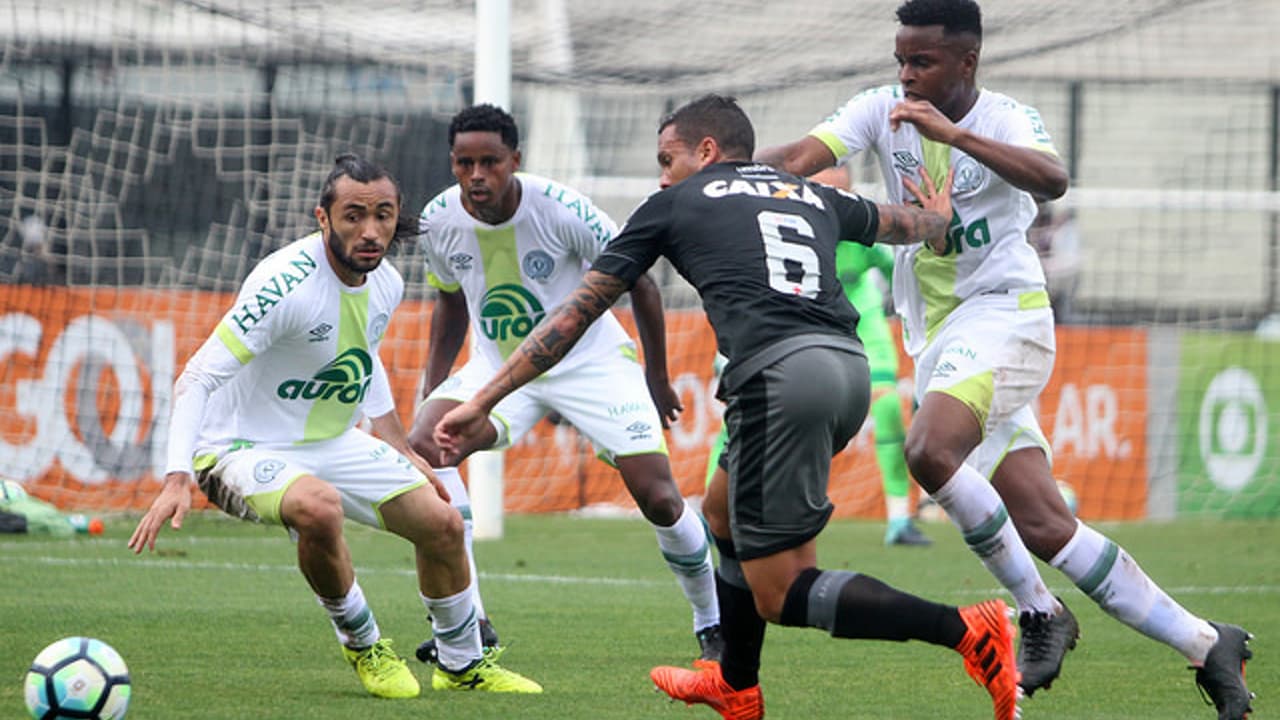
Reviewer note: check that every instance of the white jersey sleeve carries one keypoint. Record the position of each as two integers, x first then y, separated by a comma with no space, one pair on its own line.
207,370
439,275
583,228
858,124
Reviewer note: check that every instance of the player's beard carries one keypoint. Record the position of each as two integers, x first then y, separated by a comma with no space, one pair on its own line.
349,261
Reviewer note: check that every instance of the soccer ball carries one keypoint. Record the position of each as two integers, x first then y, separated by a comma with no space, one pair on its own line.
11,491
78,677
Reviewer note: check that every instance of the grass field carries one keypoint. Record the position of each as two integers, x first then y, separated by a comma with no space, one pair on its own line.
219,624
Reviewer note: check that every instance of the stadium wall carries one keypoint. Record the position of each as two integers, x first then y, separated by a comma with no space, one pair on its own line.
1143,423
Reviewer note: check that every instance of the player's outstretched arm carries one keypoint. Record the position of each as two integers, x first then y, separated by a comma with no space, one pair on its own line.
549,342
646,302
803,157
171,505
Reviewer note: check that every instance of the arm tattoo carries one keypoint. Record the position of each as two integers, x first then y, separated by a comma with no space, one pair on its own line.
557,334
902,225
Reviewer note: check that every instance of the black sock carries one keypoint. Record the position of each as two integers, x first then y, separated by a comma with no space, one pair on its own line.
742,626
859,606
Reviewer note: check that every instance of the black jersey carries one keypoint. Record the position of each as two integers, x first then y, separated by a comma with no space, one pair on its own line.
759,246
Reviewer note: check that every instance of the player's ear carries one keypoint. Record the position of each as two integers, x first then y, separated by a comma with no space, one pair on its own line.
708,151
515,159
323,218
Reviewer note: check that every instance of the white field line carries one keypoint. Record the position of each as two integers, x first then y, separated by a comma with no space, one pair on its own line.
164,564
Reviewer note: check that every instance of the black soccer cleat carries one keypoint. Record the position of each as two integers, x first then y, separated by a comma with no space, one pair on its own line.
428,653
1221,678
711,643
1043,642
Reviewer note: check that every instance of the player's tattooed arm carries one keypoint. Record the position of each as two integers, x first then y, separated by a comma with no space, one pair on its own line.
928,223
558,333
904,225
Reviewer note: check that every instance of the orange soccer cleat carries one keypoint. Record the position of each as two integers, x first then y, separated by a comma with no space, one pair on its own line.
988,653
707,686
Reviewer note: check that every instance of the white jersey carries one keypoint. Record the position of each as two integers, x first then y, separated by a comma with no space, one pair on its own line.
291,362
515,273
987,247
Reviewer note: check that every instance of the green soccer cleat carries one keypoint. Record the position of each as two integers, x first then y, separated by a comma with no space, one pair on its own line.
382,672
484,675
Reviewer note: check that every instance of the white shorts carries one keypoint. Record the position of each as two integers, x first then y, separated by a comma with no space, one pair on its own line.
606,399
249,482
995,354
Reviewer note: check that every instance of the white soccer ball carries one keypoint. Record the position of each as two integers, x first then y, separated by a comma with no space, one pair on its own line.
10,491
78,677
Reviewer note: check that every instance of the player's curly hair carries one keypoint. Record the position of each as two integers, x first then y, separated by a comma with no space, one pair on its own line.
955,16
716,116
365,171
486,118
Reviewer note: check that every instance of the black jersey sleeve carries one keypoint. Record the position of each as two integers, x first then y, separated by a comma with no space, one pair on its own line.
858,217
640,242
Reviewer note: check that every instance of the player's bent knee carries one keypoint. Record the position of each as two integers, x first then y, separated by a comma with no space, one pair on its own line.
769,606
929,461
662,506
312,506
424,519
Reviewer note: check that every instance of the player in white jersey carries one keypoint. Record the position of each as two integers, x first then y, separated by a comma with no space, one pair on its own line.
504,249
264,417
978,323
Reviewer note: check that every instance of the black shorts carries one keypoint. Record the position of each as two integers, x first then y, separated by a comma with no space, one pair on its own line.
785,423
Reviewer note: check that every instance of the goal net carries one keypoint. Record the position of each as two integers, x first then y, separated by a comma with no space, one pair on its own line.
151,151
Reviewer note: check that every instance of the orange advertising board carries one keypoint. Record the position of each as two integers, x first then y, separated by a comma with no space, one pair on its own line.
86,380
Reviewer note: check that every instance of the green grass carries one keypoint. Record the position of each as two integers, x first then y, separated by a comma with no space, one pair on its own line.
219,624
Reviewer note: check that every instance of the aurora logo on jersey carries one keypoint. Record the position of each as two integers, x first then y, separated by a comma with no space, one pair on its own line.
974,235
346,378
509,312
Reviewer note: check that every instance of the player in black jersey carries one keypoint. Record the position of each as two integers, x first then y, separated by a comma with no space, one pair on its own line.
759,247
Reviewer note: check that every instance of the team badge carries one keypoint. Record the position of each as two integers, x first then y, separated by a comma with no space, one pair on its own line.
969,175
537,265
378,327
267,470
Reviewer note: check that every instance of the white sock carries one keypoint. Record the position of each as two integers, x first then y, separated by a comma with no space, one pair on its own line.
1107,574
459,498
684,546
897,508
352,619
976,509
456,629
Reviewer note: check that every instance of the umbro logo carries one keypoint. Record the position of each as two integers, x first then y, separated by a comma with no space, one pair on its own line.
320,333
905,162
639,430
460,261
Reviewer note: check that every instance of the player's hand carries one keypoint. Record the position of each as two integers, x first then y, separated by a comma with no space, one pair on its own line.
936,199
927,119
667,400
466,421
172,504
425,468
